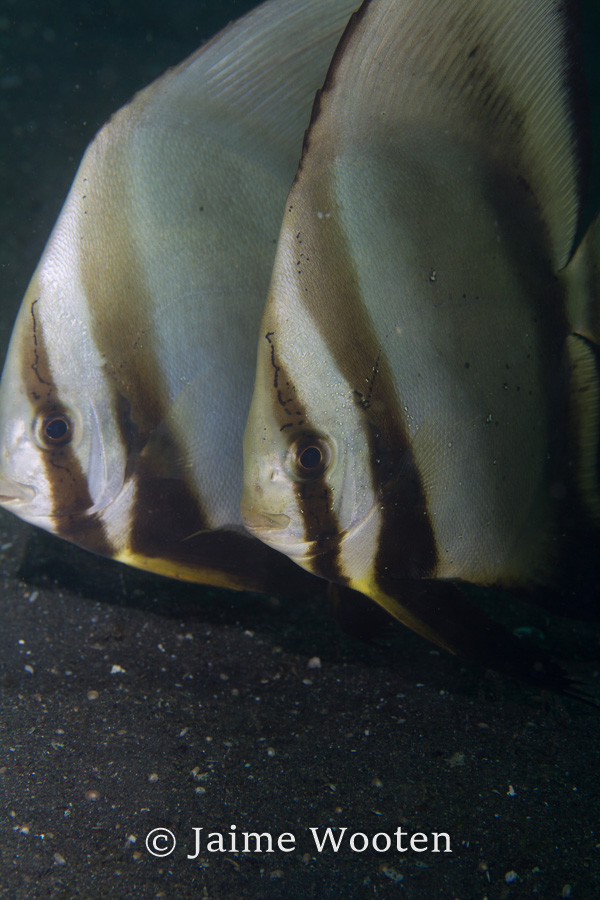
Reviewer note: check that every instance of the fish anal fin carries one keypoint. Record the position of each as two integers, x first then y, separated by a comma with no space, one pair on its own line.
223,558
440,612
355,613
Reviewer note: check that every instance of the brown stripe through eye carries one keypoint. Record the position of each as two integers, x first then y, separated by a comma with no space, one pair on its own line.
350,336
68,484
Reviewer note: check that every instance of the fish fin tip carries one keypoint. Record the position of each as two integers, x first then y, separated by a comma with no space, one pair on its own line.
356,614
441,612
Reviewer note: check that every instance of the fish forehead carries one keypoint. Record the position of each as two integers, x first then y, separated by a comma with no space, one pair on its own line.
331,380
114,339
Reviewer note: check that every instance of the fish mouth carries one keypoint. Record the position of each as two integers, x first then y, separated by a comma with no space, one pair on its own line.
306,552
264,523
271,529
15,492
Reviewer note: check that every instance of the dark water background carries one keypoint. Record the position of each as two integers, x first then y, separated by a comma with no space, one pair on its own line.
64,68
218,701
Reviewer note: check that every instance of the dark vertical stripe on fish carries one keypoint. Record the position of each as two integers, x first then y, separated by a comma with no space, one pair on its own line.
340,51
118,298
314,499
166,512
573,583
68,484
579,103
349,335
588,386
120,303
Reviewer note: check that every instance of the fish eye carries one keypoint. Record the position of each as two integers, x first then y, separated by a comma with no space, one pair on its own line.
54,430
309,458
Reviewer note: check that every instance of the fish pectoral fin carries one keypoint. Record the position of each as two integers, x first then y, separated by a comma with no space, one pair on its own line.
441,612
582,277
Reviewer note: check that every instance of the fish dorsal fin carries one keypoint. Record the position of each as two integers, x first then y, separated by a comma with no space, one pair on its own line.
257,75
502,77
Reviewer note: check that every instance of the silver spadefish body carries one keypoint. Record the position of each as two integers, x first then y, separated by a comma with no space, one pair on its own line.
127,383
416,342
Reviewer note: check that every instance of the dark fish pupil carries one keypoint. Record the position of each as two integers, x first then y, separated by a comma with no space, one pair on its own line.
311,458
56,429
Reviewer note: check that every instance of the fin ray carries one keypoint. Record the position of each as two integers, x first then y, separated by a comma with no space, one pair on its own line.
255,74
475,76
